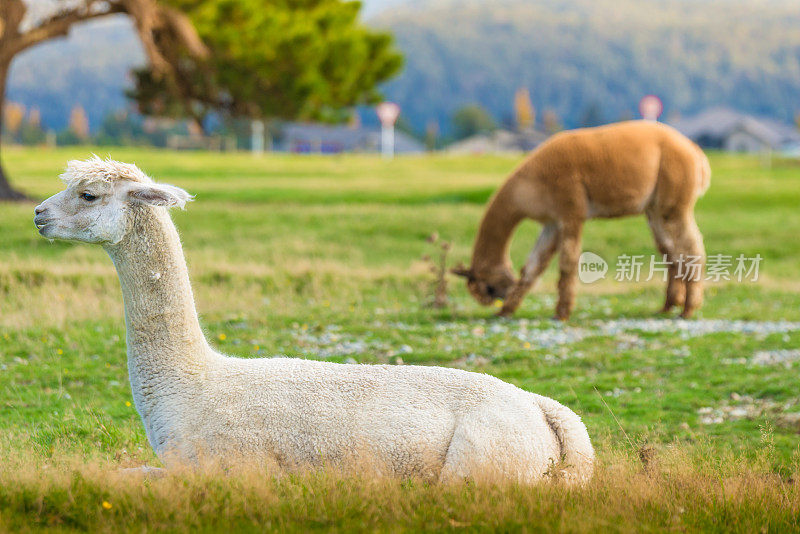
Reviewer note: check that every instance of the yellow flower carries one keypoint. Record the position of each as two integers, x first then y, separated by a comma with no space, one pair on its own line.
222,337
107,505
255,347
304,327
128,404
526,345
326,303
59,352
498,303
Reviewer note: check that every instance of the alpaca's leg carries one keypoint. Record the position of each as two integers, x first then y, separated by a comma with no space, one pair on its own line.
688,260
569,254
691,246
676,287
537,262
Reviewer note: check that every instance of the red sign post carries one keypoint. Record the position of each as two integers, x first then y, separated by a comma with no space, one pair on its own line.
387,113
651,107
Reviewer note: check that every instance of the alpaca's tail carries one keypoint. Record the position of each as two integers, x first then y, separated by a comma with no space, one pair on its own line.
577,454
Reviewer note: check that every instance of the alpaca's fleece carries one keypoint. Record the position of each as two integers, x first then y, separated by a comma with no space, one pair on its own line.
95,169
197,404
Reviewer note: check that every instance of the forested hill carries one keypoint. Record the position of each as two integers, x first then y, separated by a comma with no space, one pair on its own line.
571,54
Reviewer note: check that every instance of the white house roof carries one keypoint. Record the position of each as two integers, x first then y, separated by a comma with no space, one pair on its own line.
719,123
499,141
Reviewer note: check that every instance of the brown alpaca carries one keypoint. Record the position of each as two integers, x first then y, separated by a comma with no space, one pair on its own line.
611,171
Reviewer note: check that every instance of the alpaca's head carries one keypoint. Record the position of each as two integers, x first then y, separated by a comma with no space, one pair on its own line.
98,200
488,285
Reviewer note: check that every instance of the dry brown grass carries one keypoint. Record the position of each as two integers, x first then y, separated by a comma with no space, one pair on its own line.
41,293
678,490
47,294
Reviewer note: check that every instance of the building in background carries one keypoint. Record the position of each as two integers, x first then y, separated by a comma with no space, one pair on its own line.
311,138
726,129
499,141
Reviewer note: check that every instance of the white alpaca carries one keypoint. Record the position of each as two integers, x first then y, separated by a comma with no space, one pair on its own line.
196,403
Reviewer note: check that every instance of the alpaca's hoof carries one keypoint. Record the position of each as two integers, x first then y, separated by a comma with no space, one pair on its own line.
505,312
561,316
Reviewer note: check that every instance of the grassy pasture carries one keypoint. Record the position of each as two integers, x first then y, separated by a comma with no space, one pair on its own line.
321,257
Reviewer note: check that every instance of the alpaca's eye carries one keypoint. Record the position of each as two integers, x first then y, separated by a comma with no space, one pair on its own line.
88,197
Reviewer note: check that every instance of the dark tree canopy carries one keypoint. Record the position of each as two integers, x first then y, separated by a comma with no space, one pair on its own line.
470,120
285,59
592,115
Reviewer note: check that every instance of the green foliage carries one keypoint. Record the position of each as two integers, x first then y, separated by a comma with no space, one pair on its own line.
28,133
68,137
292,59
122,128
31,134
592,115
471,120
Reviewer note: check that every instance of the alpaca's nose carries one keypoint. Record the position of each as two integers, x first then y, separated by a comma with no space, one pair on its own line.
40,219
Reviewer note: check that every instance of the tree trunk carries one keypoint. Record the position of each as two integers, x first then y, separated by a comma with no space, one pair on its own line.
6,191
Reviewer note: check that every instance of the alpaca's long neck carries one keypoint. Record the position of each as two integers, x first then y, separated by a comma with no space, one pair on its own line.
164,337
497,226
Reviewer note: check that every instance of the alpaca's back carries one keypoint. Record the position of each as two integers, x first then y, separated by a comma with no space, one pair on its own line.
610,171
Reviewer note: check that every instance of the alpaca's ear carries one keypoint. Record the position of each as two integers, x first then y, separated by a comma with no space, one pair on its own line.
460,270
165,195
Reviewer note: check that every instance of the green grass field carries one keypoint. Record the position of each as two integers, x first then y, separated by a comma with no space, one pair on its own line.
321,257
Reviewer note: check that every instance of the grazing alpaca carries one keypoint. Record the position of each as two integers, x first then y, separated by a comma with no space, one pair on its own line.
611,171
198,404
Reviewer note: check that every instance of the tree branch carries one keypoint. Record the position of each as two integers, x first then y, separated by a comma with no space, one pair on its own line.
184,31
152,19
148,17
11,14
58,26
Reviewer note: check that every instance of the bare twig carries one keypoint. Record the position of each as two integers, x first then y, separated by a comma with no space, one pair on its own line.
439,268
